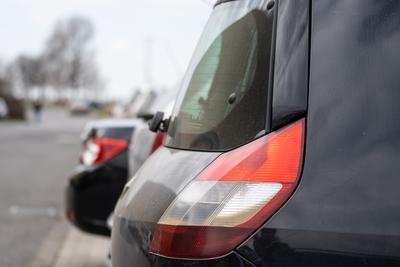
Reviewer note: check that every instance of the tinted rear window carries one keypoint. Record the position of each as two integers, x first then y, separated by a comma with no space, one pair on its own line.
223,100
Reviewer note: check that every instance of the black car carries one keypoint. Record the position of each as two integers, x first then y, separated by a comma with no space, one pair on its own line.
283,148
98,180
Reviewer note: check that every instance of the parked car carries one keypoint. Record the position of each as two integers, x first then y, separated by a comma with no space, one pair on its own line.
3,109
97,182
283,148
80,107
13,107
145,142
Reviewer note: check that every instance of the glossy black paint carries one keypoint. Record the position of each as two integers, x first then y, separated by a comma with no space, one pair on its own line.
346,210
144,201
93,191
290,89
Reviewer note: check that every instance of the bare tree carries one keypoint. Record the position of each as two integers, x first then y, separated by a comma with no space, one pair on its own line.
66,62
68,57
31,71
6,81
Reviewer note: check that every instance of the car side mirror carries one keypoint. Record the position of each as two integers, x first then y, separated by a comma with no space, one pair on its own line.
158,123
145,116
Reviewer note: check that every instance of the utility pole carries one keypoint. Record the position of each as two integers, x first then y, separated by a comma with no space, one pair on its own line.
148,61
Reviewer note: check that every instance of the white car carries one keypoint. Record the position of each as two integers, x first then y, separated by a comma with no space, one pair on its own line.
3,108
79,107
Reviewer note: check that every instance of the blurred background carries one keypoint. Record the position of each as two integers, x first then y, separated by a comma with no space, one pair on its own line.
64,63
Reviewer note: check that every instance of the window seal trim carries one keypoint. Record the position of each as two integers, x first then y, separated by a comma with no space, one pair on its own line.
271,74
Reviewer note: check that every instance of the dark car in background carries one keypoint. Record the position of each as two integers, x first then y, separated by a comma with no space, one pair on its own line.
3,108
12,108
283,147
113,149
80,107
97,182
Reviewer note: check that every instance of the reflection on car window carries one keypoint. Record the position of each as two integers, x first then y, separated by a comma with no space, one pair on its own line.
224,104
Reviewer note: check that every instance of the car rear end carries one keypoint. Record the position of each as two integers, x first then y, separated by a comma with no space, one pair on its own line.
283,146
94,187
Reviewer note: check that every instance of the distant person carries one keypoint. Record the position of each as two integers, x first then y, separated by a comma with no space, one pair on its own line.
37,111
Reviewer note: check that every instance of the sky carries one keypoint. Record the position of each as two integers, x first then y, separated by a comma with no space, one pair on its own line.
137,42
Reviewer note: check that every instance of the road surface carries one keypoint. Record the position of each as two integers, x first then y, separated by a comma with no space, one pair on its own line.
35,161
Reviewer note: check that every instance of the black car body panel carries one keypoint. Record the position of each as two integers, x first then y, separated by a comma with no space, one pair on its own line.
92,192
346,210
233,259
145,199
290,86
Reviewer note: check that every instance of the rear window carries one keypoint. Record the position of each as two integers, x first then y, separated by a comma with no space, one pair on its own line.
223,100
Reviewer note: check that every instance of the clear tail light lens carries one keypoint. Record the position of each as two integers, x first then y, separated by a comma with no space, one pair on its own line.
97,150
232,197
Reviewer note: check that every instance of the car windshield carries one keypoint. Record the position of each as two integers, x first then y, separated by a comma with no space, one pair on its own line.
223,100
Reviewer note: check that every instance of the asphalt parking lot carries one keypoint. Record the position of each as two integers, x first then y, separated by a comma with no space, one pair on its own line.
35,161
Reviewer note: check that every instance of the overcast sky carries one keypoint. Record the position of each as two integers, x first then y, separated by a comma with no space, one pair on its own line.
124,31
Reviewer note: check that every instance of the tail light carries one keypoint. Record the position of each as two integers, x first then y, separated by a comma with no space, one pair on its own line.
97,150
232,197
157,141
71,216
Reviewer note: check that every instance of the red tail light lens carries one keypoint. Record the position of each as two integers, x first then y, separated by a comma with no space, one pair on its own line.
99,150
71,216
157,141
232,197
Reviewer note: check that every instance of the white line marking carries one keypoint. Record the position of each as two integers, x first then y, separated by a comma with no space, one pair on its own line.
32,211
